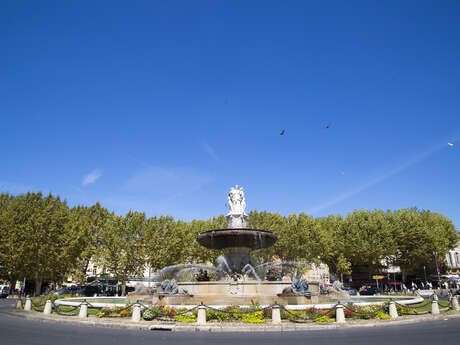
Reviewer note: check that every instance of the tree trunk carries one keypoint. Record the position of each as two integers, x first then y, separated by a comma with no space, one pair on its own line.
123,288
38,284
12,285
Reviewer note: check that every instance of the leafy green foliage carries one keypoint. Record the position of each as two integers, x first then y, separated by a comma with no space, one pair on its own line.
382,315
122,248
38,238
115,311
255,317
324,319
152,313
186,318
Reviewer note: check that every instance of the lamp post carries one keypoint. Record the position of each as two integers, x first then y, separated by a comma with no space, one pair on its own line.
424,271
435,253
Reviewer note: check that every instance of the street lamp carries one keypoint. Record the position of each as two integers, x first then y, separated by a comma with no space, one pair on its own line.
435,253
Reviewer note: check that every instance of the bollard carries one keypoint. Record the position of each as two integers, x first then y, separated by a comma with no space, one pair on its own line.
393,310
28,305
454,302
201,320
18,304
339,314
48,306
276,314
434,305
136,317
83,309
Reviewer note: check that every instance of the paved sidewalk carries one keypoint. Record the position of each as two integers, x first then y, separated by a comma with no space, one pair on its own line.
285,326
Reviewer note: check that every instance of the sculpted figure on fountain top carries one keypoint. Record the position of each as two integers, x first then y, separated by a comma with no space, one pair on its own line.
236,204
236,200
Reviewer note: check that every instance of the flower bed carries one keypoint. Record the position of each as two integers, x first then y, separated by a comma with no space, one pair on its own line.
116,311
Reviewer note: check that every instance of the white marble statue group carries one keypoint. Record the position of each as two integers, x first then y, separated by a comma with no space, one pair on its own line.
236,204
236,201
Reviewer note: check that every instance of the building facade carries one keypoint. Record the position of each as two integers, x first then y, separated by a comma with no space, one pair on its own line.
453,259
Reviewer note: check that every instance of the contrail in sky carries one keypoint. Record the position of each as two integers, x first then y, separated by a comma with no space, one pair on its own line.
418,158
92,177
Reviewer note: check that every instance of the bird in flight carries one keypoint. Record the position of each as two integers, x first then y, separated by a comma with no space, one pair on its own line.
328,125
282,132
450,144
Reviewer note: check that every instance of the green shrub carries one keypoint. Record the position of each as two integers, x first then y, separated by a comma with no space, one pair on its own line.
382,315
306,314
402,309
126,312
255,317
287,315
153,313
367,312
53,297
116,311
186,317
267,313
324,319
231,313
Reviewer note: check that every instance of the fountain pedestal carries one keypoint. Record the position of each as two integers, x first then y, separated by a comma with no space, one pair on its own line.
236,221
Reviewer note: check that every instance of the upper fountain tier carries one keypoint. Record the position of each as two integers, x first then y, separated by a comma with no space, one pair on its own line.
236,238
237,235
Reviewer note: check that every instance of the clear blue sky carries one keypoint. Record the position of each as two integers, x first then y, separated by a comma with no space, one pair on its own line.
161,106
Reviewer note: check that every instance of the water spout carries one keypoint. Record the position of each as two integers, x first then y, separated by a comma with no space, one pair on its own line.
251,269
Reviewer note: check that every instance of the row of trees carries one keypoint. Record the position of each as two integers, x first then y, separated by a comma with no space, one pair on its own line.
366,240
43,239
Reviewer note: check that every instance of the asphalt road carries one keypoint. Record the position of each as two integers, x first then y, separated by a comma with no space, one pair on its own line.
20,331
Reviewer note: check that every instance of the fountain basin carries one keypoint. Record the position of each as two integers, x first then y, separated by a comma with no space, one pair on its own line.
231,293
234,238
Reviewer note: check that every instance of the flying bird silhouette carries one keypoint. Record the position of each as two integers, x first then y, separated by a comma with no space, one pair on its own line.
328,125
282,132
450,144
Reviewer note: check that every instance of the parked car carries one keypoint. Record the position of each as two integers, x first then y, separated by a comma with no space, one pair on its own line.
351,291
4,291
83,290
66,290
369,291
87,290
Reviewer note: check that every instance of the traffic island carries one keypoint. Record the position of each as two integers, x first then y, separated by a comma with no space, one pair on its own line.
281,319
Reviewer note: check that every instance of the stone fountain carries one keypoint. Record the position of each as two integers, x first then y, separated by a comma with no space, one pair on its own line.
237,240
238,281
